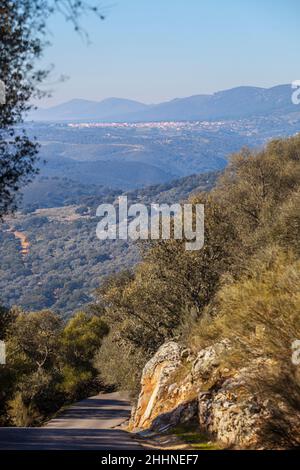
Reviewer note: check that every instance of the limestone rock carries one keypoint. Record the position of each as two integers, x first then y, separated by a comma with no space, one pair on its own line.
177,387
231,414
208,360
155,384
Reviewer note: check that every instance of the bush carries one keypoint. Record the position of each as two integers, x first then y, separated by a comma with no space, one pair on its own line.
21,414
119,365
48,364
260,315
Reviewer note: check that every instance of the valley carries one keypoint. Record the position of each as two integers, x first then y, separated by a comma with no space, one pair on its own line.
134,155
66,262
86,163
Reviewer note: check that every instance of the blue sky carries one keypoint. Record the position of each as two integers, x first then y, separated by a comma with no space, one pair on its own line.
156,50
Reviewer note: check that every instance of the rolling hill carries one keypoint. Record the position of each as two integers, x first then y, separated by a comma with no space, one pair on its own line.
79,109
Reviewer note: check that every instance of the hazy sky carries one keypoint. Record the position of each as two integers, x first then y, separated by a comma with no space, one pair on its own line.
155,50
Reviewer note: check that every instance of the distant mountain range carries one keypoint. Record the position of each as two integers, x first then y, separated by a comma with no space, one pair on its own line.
78,109
236,103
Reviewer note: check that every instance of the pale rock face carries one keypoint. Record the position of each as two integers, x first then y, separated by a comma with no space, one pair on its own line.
208,360
231,414
178,388
155,384
163,397
2,93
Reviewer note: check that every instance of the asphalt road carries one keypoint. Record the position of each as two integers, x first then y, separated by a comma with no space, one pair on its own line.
86,425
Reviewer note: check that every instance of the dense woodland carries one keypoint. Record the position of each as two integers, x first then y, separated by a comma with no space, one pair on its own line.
66,262
243,285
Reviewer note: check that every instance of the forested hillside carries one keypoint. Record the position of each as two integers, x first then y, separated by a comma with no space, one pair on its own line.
252,224
233,308
65,261
230,310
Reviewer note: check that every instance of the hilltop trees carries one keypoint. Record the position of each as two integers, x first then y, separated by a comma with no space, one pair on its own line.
34,337
242,286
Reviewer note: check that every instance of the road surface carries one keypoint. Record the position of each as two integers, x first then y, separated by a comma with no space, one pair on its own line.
87,425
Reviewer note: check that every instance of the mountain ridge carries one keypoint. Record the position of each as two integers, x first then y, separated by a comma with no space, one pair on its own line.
88,109
234,103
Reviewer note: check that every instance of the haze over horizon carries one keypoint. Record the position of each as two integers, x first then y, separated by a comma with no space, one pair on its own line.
136,54
156,102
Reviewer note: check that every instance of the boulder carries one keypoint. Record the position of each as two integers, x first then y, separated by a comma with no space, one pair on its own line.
208,360
155,384
231,414
179,387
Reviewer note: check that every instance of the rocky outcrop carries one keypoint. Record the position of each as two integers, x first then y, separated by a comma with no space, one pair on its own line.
155,385
165,393
179,387
230,414
208,360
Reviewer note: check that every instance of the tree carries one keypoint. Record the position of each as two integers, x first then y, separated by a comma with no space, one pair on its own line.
35,337
19,47
22,41
80,339
49,363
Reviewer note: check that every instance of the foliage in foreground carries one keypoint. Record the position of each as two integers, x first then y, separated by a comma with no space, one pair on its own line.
23,26
245,280
48,365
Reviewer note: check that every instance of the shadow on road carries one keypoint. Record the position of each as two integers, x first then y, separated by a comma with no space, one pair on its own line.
65,439
86,425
